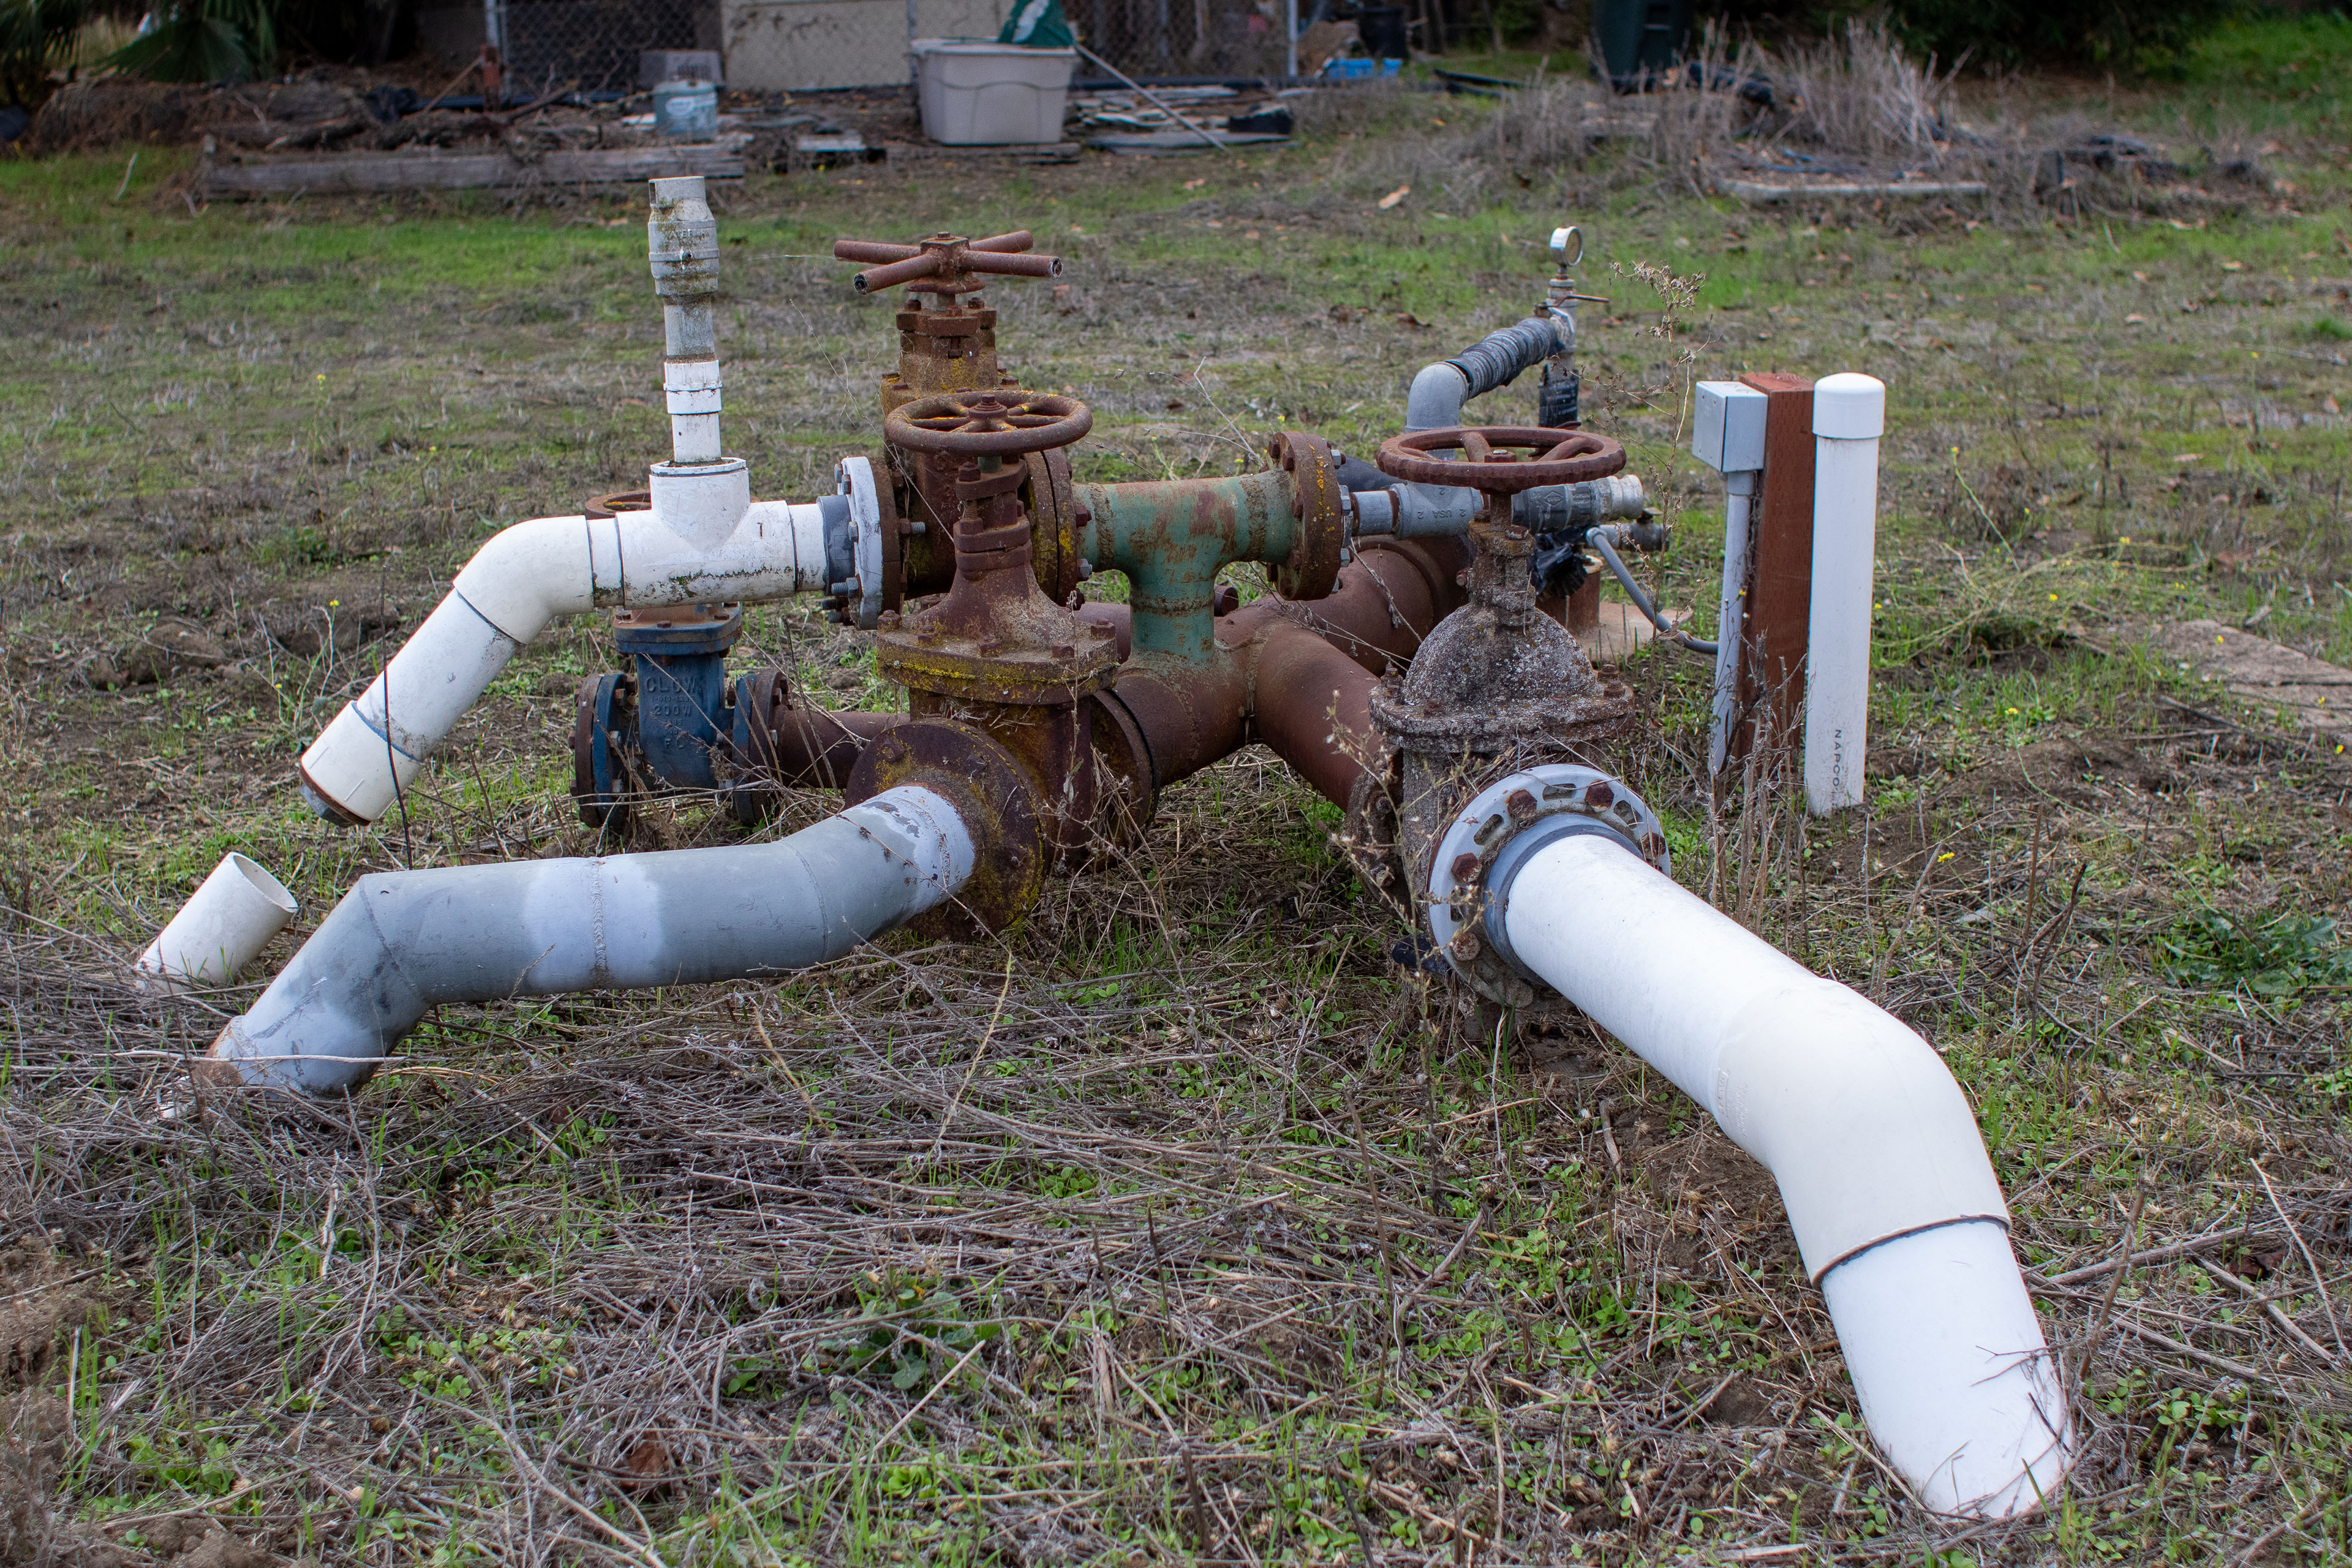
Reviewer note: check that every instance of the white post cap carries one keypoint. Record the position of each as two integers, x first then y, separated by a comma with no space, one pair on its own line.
1850,407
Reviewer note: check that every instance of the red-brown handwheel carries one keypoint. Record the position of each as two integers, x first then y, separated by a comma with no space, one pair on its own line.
1556,457
1001,423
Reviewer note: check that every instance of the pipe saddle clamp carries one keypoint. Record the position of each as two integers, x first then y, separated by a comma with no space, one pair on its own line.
1494,835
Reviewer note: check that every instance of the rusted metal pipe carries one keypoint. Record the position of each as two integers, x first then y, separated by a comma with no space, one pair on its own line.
1261,684
1313,707
818,747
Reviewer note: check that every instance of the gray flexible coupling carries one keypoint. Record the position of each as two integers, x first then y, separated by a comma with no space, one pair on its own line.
1498,358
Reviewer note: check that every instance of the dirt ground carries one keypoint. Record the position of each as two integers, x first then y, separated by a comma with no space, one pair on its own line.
1124,1237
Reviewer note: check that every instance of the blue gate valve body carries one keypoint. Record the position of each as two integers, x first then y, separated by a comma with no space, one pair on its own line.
665,726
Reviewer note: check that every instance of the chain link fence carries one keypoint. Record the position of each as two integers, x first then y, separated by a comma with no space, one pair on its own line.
590,46
811,44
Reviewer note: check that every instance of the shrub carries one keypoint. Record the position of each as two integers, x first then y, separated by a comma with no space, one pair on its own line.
36,37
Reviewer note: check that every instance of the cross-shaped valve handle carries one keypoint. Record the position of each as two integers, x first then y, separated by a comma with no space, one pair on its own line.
949,259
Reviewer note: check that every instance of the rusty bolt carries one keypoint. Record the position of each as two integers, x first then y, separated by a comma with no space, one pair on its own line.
894,750
1521,805
1466,946
1063,651
1652,845
1465,866
1599,795
1083,515
1097,630
888,621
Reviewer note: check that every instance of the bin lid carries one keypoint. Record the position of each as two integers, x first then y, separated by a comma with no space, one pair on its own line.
979,46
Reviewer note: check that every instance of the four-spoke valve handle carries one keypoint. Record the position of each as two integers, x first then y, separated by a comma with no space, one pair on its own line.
949,259
1003,424
1490,462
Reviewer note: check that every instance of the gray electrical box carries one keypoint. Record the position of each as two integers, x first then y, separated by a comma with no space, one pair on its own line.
1727,427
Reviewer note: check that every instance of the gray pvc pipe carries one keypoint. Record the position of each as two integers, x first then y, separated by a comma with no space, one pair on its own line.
402,943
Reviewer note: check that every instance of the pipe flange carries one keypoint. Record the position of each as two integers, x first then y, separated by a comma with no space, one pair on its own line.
854,478
1497,829
1319,504
999,802
1056,522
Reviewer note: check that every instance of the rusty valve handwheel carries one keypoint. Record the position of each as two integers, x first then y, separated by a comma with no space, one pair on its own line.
988,424
1558,458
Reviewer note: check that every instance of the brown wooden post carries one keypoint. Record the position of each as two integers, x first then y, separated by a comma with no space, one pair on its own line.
1780,565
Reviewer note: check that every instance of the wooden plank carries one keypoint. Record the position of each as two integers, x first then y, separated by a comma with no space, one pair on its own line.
1758,193
359,173
1027,152
1780,567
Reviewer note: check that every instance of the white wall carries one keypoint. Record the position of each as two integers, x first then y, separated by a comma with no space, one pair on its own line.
794,45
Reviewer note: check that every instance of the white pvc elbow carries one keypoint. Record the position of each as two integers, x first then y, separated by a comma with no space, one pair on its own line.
704,539
1895,1205
222,928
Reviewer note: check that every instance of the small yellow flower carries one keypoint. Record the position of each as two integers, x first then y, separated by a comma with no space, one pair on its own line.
334,604
322,378
2125,540
1944,856
2053,598
2012,709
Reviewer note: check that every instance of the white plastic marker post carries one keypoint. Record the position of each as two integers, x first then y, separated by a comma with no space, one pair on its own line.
219,931
1727,436
1849,416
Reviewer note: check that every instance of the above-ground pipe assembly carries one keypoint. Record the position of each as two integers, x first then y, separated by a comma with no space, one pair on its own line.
1412,664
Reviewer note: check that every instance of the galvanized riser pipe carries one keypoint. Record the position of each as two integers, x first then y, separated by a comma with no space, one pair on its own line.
403,943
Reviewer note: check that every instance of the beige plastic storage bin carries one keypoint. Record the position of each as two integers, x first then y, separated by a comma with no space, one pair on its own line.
986,94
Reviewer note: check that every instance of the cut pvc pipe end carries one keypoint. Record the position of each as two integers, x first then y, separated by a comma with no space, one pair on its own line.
1850,407
1957,1384
1849,416
219,931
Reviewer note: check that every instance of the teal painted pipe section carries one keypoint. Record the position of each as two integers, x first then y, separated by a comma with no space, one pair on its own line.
1171,537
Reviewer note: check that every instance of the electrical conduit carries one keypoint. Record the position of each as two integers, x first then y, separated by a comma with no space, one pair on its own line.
402,943
1895,1205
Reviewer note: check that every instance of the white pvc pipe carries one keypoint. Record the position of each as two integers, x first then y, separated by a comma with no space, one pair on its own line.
1895,1208
1731,618
703,540
1849,416
219,931
403,943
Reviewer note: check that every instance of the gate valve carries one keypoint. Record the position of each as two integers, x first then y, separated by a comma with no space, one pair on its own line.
995,637
1496,683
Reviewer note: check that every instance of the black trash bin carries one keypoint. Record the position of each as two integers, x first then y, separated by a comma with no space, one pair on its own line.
1382,29
1641,40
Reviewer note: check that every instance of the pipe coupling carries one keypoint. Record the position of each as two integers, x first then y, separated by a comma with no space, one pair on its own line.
999,802
1497,832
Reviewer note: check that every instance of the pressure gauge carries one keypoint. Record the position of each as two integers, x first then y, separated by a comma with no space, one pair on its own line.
1568,245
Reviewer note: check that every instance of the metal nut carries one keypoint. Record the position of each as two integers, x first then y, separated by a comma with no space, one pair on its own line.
1465,866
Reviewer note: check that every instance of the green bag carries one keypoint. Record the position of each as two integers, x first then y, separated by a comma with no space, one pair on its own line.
1038,25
